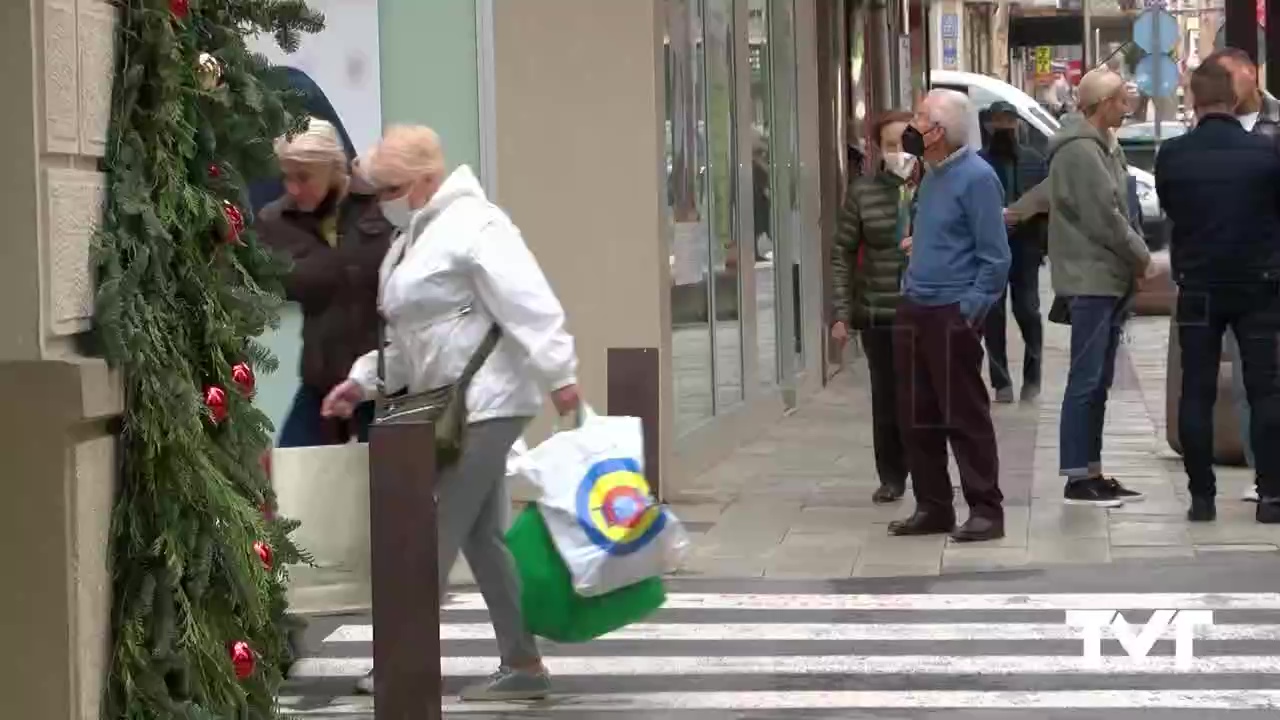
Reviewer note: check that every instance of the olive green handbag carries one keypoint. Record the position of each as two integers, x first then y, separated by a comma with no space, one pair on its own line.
445,406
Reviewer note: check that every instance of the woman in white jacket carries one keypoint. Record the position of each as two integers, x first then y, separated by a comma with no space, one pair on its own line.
458,266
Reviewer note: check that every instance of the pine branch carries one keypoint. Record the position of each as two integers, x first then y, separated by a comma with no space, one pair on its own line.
178,303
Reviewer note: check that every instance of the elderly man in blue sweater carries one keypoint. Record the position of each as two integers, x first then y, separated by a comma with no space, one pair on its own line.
959,266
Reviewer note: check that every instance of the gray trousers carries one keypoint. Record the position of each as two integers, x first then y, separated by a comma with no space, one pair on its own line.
473,504
1239,395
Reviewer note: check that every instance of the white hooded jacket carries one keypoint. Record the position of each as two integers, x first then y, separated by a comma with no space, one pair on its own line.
464,267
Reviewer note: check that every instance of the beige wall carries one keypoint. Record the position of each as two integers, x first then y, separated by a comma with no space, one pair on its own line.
580,166
59,458
579,152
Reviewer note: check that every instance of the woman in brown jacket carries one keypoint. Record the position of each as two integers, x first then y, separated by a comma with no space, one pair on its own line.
329,225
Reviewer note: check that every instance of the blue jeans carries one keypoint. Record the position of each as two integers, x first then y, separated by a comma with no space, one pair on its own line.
1095,338
304,427
1240,397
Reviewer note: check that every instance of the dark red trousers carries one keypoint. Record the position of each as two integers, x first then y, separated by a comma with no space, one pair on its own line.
941,398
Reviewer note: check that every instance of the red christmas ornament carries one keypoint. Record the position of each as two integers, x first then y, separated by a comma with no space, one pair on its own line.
180,8
215,399
242,376
242,659
215,172
235,221
264,553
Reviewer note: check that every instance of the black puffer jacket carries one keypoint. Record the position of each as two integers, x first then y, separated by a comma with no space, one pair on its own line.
866,293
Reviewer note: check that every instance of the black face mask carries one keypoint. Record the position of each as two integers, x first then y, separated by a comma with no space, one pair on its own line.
913,141
1004,142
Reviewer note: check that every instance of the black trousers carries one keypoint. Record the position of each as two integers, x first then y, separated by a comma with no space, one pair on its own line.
1204,313
891,452
1024,291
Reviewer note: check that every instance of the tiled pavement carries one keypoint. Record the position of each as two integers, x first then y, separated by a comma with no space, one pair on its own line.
795,503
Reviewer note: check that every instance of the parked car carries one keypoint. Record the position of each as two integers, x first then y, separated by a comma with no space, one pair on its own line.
1038,126
1139,141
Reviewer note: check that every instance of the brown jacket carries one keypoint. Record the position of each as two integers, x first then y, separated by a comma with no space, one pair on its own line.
337,286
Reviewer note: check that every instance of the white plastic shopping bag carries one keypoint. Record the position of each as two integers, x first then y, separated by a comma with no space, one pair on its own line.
598,507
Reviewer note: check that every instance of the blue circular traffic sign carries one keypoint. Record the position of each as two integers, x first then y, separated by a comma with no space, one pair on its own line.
1156,31
1157,76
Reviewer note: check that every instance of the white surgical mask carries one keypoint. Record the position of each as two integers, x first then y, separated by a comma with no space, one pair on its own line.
900,163
397,211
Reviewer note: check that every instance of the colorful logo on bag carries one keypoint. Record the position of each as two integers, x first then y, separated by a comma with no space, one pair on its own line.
616,509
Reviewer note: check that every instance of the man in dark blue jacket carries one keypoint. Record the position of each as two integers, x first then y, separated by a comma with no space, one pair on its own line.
1220,186
1020,168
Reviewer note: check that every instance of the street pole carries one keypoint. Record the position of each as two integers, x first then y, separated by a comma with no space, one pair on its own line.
1156,73
1089,52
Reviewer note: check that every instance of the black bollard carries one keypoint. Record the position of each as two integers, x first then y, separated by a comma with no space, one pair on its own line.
405,576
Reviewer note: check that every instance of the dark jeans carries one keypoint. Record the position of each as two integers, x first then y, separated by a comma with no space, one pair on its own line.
891,453
1252,312
941,398
1024,292
305,428
1095,337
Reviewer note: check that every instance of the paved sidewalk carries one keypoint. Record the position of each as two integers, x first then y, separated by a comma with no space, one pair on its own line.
795,503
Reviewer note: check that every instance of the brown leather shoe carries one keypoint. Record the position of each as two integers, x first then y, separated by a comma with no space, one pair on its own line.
924,523
978,529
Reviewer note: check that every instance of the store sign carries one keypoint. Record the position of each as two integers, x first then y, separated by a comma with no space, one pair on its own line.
1044,63
950,35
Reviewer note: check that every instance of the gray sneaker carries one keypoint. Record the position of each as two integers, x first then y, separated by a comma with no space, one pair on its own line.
509,684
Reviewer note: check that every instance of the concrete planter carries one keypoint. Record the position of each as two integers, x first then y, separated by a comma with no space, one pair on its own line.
1227,447
327,490
1159,295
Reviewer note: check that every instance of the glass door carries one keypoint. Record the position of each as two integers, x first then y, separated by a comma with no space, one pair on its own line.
787,222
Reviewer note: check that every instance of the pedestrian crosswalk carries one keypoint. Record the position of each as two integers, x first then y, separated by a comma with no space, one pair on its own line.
822,653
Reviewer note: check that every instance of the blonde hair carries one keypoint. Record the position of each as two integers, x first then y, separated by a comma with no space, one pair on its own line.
405,153
1097,86
317,145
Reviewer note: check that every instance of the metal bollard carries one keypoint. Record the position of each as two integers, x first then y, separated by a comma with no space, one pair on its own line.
405,576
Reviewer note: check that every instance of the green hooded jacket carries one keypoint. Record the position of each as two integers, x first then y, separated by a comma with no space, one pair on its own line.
1093,248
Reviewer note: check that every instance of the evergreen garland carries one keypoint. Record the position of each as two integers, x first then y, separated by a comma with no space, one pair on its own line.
181,296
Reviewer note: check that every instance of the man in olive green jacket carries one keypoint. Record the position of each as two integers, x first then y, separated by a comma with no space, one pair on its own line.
1096,258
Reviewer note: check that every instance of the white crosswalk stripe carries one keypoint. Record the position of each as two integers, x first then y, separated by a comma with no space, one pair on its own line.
826,652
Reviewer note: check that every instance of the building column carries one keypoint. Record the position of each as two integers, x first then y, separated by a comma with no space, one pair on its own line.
580,110
59,406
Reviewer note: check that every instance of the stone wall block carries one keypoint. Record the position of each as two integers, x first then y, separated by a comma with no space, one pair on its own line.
96,41
60,86
74,199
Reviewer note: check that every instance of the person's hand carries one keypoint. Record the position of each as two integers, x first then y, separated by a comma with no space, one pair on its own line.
840,332
567,400
1010,217
1151,270
342,400
906,245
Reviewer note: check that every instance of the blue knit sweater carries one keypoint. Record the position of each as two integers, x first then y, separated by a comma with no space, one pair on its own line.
959,247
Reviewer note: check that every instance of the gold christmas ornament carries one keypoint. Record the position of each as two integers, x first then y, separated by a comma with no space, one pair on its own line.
210,71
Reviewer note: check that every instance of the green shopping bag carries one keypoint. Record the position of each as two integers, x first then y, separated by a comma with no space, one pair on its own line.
552,609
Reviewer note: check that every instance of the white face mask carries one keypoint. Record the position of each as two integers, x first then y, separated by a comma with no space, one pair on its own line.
900,163
397,211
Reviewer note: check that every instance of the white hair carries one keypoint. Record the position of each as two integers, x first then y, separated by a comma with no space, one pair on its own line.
317,145
952,111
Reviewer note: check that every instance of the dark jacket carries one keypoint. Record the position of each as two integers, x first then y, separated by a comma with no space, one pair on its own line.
867,292
336,286
1220,187
1028,171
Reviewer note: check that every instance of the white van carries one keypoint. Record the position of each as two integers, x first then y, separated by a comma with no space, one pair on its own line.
1040,125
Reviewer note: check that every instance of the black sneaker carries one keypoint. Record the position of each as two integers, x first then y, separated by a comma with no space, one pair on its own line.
1203,509
1004,395
1090,491
1121,491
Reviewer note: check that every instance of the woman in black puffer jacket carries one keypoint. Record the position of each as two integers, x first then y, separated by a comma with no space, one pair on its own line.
868,262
